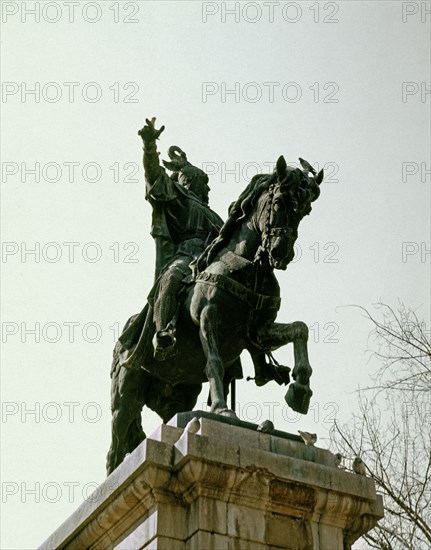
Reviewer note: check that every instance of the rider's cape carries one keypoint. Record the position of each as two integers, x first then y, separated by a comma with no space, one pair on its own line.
136,339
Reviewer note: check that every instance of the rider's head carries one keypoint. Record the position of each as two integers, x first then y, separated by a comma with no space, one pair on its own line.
195,180
187,175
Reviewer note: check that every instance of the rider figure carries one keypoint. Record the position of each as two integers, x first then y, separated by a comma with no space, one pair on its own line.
182,226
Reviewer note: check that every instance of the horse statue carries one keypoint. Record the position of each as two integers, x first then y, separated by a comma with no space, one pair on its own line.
230,306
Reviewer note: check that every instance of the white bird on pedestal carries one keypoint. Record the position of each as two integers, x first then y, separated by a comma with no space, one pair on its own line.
308,438
193,426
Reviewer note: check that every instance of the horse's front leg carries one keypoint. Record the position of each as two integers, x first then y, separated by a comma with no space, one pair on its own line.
274,335
209,334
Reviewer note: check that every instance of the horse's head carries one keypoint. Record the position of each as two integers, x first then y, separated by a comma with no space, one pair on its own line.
286,201
272,205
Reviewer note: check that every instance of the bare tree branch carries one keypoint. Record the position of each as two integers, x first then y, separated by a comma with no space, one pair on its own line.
392,429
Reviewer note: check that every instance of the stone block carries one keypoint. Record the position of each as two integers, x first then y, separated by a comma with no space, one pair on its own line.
196,445
207,514
236,436
327,535
295,449
289,532
167,434
241,544
246,523
141,534
181,420
203,540
165,543
172,520
251,458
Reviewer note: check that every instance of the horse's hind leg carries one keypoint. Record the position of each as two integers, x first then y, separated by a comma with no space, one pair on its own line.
135,433
182,398
214,369
127,433
271,336
127,390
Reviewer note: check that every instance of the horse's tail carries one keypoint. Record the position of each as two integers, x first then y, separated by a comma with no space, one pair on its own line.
115,365
119,348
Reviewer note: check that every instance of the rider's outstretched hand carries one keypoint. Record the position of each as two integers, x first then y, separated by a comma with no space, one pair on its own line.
149,133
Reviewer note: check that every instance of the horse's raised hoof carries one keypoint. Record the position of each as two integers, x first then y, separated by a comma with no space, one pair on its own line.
298,397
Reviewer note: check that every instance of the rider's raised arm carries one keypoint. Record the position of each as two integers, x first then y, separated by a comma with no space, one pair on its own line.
159,185
149,136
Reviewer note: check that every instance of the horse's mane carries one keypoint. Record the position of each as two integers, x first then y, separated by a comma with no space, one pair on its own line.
238,211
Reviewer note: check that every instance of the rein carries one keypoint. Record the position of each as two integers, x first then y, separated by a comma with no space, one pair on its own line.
253,299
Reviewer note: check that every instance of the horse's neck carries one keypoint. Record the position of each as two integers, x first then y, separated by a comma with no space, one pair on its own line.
245,241
256,276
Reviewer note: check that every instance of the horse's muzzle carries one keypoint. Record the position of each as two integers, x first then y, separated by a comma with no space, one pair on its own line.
281,253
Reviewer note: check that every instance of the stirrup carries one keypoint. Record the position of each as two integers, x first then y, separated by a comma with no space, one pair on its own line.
164,344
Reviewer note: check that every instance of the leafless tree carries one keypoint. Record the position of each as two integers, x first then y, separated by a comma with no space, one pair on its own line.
392,430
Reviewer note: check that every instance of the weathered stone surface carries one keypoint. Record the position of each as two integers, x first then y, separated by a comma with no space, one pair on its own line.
166,433
207,514
209,541
181,420
225,486
165,543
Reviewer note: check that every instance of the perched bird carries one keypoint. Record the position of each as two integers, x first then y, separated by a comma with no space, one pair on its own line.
308,439
265,427
193,426
307,166
359,466
338,457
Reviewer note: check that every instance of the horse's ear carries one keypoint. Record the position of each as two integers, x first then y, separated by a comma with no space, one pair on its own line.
281,167
319,177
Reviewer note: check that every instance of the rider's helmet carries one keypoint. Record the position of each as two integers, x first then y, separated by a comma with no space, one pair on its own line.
190,177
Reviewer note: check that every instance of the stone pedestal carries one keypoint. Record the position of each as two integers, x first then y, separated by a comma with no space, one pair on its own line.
227,486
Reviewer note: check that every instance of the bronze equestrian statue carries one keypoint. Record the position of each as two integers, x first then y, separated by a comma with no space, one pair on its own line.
225,303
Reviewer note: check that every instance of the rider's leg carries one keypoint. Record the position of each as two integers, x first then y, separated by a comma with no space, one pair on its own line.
164,310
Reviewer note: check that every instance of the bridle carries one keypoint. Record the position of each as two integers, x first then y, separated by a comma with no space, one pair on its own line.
268,232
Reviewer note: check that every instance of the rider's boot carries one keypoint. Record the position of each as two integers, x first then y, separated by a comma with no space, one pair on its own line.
164,339
166,313
164,343
267,371
261,371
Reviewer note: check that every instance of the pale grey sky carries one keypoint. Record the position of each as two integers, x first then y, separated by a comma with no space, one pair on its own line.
342,84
